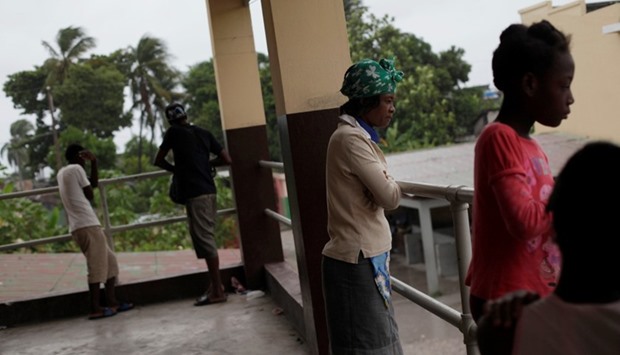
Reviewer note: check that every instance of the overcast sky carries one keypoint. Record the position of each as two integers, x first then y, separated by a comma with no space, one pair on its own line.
182,24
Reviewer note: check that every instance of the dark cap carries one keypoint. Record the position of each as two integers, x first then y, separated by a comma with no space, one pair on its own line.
175,112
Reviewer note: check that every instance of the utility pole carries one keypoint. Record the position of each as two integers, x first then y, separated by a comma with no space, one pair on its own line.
50,102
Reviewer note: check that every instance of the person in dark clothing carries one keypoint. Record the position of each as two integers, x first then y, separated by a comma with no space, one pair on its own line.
192,148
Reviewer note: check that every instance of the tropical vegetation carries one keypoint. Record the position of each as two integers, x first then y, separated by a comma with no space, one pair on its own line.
91,96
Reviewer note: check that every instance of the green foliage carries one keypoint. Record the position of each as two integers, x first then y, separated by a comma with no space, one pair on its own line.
132,147
151,81
128,161
201,100
71,43
432,109
24,88
103,148
92,99
469,103
147,200
40,146
88,96
17,149
430,106
269,102
24,219
226,231
129,203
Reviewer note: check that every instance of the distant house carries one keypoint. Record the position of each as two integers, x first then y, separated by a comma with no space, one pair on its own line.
484,118
491,99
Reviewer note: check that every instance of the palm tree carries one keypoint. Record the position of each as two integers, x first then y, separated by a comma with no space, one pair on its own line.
151,81
72,42
15,150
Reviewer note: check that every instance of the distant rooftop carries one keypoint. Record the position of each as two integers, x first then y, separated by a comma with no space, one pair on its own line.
454,164
598,5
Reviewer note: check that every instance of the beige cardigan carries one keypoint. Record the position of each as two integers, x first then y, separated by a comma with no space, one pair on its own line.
358,190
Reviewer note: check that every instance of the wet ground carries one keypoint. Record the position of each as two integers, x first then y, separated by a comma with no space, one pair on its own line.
243,325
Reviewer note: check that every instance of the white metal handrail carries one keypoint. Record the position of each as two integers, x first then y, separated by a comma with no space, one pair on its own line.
278,217
271,164
459,197
109,228
271,213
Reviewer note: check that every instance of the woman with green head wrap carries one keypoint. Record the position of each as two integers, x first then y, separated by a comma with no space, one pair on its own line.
355,266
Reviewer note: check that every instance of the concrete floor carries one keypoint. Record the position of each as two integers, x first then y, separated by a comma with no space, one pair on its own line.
239,326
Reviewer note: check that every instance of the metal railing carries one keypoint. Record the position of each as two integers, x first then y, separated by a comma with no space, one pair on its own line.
459,197
271,213
107,225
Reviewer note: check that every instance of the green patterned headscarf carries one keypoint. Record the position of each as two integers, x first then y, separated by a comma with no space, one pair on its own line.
368,78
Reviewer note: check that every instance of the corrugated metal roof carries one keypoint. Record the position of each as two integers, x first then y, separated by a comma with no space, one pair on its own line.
454,165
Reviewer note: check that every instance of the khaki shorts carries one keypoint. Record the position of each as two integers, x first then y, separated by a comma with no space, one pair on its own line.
201,212
100,259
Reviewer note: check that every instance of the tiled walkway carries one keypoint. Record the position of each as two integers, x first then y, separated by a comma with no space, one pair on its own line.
35,275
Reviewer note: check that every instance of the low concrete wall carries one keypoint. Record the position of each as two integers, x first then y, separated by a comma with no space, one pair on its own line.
73,304
284,289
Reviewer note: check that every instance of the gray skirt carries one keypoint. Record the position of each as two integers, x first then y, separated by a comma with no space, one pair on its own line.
358,321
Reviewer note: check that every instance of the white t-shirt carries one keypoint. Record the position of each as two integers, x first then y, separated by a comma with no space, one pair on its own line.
551,326
71,180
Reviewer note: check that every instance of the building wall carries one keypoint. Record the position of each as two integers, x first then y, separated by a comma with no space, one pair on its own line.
596,86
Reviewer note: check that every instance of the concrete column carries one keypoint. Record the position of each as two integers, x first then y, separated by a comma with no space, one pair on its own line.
308,53
243,121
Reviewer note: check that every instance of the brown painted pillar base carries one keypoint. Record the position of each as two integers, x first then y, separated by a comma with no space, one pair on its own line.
304,139
254,192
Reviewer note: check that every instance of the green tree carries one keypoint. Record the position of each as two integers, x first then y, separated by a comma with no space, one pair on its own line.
40,146
201,98
103,148
71,43
16,149
151,81
92,98
128,162
26,88
429,99
23,219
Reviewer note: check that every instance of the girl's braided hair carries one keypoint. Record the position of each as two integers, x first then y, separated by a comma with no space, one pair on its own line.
524,49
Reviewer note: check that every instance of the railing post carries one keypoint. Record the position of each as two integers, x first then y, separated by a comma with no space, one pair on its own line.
460,219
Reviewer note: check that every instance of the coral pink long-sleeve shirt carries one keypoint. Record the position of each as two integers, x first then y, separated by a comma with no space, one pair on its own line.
512,246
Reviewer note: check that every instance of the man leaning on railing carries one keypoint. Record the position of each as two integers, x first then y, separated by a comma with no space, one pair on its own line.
76,192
